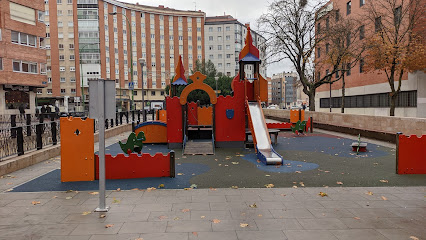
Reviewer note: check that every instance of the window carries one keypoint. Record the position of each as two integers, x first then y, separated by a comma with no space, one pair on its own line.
327,46
219,47
24,67
219,56
211,56
62,79
23,39
348,7
210,29
228,37
397,15
72,57
152,93
361,3
378,24
72,79
219,38
69,1
228,55
61,46
319,52
49,79
228,28
361,32
72,69
59,1
361,65
219,29
228,47
69,12
40,16
72,90
39,91
210,38
59,12
1,63
62,69
61,57
180,37
49,91
63,90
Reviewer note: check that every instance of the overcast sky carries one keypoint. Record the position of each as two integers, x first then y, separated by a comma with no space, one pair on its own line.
245,11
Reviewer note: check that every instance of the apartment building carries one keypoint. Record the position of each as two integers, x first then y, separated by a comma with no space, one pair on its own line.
366,92
22,54
105,38
284,89
224,39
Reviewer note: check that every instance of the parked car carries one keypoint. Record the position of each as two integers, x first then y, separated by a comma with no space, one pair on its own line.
272,107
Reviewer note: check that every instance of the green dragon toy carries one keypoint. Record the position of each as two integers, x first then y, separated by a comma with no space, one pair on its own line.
299,128
133,144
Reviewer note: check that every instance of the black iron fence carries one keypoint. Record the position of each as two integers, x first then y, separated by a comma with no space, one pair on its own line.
22,133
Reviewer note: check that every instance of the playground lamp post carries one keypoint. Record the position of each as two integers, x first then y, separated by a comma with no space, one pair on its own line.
131,56
81,70
142,63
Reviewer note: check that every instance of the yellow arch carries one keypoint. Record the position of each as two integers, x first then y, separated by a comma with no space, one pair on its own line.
198,83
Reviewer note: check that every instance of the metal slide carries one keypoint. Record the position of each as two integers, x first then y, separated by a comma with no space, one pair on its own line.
265,151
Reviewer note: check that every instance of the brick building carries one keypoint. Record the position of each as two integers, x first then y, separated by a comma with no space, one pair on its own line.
102,38
366,92
224,39
22,54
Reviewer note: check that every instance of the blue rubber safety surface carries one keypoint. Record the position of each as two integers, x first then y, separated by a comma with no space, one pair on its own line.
52,181
327,144
287,167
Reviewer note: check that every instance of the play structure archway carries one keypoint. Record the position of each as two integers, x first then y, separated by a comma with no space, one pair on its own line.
198,83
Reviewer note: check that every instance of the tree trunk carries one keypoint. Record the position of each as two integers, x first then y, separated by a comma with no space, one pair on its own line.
343,93
393,104
312,100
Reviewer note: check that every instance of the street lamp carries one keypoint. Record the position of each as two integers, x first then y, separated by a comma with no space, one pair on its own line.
131,55
81,70
142,63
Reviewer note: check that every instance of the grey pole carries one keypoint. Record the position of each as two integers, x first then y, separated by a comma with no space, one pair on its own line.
142,63
101,119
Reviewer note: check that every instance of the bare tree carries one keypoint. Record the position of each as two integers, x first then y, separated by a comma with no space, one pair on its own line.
289,26
344,44
397,46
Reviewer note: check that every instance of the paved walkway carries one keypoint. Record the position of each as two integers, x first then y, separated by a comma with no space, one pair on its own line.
282,213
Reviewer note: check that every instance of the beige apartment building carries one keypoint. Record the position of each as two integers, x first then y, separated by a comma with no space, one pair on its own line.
105,38
224,39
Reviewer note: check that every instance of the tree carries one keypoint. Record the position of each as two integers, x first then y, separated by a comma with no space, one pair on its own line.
207,69
289,26
344,44
395,48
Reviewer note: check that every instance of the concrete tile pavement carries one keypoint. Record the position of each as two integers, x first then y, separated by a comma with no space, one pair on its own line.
214,214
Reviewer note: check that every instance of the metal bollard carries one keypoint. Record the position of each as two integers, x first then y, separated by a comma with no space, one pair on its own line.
20,141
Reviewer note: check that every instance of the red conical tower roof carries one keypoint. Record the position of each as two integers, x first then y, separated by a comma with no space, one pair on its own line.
249,52
180,78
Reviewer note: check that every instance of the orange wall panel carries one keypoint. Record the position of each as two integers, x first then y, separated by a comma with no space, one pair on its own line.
205,116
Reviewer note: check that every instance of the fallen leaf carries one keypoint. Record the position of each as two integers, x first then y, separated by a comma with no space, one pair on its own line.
269,185
384,198
162,217
187,188
185,210
235,163
258,160
134,189
176,218
299,165
357,218
161,186
8,190
234,187
109,225
326,171
35,202
202,217
323,194
54,197
115,200
139,239
68,198
302,184
195,233
298,172
260,215
118,189
267,175
243,225
150,189
193,186
86,213
253,205
414,238
213,189
294,186
94,193
384,181
180,174
283,195
9,183
216,220
369,193
68,191
102,216
340,183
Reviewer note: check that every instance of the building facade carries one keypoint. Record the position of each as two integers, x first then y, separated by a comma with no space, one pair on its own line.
365,92
105,38
224,39
284,89
22,54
